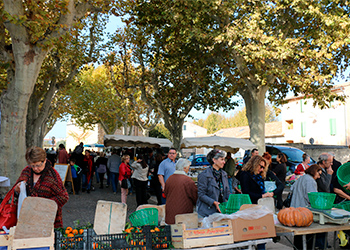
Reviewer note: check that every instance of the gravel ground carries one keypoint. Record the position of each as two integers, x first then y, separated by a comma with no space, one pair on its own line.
82,208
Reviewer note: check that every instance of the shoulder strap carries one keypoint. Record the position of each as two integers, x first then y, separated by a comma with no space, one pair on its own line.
8,196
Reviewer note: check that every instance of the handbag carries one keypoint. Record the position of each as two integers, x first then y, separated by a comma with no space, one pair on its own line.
124,183
288,200
101,169
8,210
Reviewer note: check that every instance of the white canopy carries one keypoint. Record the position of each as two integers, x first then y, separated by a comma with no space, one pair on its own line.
228,144
135,141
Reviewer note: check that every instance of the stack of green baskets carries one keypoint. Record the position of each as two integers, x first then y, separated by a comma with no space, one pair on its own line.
321,200
146,216
235,202
222,207
343,205
343,174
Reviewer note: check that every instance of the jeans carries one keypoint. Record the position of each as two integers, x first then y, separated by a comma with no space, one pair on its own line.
84,181
114,180
97,177
230,184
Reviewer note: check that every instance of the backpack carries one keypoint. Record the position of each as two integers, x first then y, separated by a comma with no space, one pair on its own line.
101,169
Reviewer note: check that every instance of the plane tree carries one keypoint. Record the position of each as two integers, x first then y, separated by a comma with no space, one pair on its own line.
28,32
171,43
272,48
49,101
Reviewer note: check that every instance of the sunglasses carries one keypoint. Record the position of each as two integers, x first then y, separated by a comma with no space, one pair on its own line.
261,166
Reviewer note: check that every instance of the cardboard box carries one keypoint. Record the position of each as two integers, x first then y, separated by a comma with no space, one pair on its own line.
243,229
183,237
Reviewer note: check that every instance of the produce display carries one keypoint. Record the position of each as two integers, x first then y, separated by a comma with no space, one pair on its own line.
299,217
160,236
70,238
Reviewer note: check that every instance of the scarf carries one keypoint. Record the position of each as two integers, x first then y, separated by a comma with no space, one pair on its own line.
258,178
218,178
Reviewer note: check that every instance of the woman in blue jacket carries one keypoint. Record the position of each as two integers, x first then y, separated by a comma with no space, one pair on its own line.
212,184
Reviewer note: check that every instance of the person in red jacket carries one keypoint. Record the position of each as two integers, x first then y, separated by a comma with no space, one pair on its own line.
89,163
124,173
300,170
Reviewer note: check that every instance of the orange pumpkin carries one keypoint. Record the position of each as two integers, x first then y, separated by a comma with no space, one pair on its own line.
300,217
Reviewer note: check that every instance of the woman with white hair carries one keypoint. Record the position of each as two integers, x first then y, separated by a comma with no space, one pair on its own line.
213,187
180,191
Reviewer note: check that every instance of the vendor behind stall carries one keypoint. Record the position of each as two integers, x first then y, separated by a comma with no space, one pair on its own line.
252,178
213,185
42,180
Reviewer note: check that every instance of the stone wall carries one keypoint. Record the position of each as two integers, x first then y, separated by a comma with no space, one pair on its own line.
342,153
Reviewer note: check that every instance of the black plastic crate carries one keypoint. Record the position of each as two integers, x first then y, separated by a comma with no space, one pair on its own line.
131,241
76,242
161,239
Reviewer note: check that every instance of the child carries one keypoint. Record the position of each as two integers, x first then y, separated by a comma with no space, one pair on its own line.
75,169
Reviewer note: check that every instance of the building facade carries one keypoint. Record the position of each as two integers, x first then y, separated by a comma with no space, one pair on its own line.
304,123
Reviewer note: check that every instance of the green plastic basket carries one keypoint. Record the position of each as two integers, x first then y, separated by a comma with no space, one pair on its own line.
343,174
320,200
343,205
146,216
235,201
222,207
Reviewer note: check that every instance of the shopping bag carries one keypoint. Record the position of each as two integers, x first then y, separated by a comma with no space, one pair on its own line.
8,210
22,196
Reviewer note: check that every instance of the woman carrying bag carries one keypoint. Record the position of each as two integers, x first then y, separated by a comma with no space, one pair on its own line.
124,175
140,178
42,180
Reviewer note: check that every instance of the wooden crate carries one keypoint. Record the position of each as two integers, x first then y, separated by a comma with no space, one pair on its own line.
6,240
198,237
43,243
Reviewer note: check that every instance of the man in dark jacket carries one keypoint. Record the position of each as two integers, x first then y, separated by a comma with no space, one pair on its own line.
230,169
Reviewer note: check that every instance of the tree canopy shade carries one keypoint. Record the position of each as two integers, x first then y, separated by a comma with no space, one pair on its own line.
172,44
280,46
28,32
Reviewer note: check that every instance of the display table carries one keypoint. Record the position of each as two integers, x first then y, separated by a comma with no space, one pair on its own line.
312,229
249,243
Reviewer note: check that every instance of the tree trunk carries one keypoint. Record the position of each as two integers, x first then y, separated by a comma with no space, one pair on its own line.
175,128
254,99
14,104
37,116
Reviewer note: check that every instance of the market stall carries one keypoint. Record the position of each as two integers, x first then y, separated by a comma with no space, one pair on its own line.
135,141
228,144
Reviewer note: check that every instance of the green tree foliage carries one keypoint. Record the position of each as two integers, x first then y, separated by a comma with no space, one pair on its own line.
282,46
29,30
160,131
172,44
48,102
100,97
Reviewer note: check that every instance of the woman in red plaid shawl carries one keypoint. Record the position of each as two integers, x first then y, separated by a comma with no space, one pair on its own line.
42,180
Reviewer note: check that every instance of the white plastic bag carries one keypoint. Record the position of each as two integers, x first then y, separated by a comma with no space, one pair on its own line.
22,196
251,213
270,186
